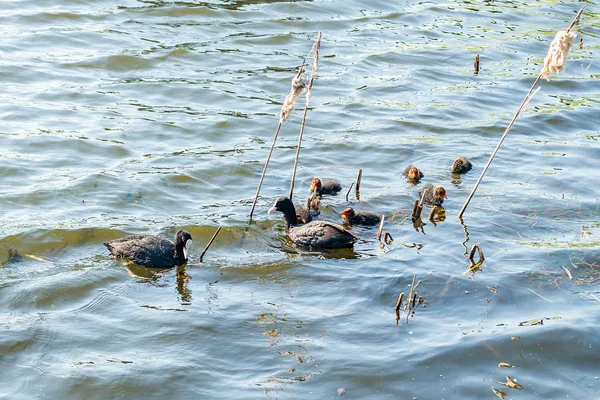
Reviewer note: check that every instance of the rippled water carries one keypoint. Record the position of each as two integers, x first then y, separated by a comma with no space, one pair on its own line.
138,117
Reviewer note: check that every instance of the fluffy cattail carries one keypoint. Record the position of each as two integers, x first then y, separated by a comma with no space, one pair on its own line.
298,85
559,49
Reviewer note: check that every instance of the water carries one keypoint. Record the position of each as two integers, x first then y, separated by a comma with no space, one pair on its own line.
142,117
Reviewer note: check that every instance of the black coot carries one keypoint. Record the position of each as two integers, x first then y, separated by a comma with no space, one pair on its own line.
325,187
412,174
359,218
434,196
152,251
315,234
461,165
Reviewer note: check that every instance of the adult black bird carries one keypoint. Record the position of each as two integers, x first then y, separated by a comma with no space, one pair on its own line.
315,234
152,251
360,218
325,187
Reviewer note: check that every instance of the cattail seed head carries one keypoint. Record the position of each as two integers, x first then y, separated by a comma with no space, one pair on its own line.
557,54
298,85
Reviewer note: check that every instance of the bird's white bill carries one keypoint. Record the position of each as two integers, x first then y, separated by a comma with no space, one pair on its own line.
187,247
272,209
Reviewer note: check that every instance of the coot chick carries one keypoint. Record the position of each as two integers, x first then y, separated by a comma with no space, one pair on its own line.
152,251
325,187
315,234
461,166
434,196
412,174
359,218
305,214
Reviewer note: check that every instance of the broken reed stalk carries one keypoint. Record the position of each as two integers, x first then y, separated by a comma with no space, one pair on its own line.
209,243
410,296
358,178
418,207
476,64
316,47
398,305
387,237
298,86
415,211
349,189
380,227
477,247
553,63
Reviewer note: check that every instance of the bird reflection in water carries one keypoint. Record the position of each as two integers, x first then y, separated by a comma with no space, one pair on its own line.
184,291
437,214
154,274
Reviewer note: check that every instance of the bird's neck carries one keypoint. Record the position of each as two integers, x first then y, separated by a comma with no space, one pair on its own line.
290,219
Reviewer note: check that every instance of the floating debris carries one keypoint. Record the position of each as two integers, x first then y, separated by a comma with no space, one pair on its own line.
498,393
505,365
511,384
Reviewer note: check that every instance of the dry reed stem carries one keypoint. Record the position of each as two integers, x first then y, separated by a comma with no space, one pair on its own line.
508,128
380,227
556,58
316,48
209,243
476,64
358,179
415,211
262,176
349,189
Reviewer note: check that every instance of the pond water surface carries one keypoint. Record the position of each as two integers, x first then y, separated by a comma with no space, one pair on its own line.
142,117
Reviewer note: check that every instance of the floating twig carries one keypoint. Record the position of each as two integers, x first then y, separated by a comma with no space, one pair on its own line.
316,47
594,296
553,63
349,189
568,273
476,64
209,243
380,227
537,294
